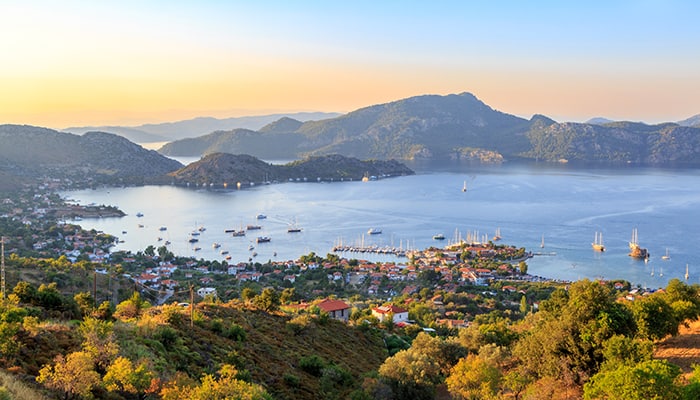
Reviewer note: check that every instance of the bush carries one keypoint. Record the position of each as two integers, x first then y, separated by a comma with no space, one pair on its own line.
291,380
298,324
236,332
312,364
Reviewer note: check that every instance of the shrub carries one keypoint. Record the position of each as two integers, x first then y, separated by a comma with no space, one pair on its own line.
236,332
312,364
291,380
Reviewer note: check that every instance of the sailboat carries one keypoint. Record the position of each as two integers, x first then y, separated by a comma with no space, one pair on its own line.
464,188
497,236
652,270
666,256
542,244
661,271
686,272
598,242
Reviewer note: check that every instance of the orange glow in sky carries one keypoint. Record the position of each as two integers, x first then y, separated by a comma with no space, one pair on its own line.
79,63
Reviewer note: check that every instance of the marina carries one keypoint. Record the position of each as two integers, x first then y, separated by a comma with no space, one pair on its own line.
524,203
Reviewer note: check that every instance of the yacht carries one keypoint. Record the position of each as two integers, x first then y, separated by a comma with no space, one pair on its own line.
216,245
598,242
497,236
439,236
666,256
374,231
262,239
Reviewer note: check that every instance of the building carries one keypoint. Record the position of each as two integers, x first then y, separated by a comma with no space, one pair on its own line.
398,314
337,309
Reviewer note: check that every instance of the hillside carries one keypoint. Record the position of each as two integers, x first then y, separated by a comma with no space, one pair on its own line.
616,142
220,168
194,127
457,126
29,151
418,127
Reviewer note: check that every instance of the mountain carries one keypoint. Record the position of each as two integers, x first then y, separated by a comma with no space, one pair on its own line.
692,121
418,127
223,168
599,121
457,126
169,131
616,142
32,152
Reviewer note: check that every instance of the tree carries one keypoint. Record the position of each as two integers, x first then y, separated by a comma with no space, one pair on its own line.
522,266
474,378
25,291
150,250
74,375
268,300
225,386
121,376
653,379
131,308
654,317
248,294
85,302
99,341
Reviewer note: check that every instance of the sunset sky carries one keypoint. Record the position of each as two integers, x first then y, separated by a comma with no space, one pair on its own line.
74,63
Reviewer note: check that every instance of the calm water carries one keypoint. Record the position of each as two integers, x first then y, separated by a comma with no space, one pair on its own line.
563,204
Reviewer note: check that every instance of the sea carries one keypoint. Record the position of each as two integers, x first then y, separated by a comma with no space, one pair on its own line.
553,210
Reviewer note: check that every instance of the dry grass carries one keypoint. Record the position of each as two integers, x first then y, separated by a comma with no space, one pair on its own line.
18,389
682,350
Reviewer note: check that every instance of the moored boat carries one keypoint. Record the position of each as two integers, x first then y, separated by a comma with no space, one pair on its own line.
374,231
262,239
439,236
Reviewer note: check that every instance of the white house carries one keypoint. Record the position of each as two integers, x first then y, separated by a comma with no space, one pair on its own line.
383,312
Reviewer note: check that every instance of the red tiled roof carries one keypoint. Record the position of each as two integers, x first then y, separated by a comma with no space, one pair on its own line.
389,309
329,305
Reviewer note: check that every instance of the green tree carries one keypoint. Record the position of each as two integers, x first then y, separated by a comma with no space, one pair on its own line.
25,291
268,300
653,379
654,317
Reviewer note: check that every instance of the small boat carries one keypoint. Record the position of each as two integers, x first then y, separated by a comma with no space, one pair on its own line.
439,236
201,229
224,252
542,244
598,242
193,240
253,227
251,247
139,214
666,256
228,257
261,216
374,231
162,228
262,239
197,249
238,233
194,233
123,232
216,245
464,188
160,239
140,225
293,229
229,230
167,242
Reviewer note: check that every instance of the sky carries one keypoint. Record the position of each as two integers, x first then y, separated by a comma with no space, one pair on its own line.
78,63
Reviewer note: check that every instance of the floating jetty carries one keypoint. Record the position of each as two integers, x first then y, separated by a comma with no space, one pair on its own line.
397,251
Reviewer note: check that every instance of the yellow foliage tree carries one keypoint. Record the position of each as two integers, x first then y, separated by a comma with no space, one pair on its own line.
74,375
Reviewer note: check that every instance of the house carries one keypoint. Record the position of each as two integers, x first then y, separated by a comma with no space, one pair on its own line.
337,309
398,314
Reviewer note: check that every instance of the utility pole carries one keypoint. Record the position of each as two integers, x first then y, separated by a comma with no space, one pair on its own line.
191,306
2,265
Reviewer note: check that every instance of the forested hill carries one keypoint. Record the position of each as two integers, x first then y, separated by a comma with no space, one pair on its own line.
419,127
29,151
457,126
617,142
222,168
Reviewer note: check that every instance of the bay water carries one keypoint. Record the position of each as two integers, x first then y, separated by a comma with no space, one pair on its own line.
562,206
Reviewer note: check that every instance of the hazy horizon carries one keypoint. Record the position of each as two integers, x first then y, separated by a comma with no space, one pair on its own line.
128,63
